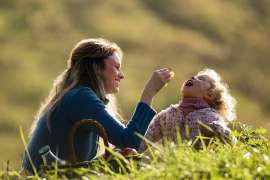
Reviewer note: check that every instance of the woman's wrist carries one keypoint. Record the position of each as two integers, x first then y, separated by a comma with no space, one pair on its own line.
147,97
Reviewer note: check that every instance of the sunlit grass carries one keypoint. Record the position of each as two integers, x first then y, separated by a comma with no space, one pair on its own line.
248,159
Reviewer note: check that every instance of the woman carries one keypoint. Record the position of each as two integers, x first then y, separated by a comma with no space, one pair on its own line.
205,107
82,91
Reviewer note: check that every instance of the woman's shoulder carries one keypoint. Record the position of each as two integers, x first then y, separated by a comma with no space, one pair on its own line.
81,92
81,95
79,89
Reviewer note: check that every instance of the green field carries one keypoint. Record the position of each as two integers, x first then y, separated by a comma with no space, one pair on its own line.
36,36
248,159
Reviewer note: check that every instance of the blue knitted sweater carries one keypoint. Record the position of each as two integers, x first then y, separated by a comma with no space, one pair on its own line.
80,103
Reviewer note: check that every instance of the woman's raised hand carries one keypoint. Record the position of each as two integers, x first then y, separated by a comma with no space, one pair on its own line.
158,80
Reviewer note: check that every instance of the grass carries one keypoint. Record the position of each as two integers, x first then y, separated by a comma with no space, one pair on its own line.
248,159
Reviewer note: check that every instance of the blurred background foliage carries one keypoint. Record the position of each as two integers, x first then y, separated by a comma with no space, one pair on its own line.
232,37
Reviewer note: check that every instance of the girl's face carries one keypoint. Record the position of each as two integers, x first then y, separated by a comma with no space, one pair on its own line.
197,86
112,75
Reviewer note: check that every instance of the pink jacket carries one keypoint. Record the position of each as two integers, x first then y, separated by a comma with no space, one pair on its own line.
167,122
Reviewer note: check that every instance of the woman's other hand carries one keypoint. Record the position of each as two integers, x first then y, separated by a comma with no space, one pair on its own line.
158,80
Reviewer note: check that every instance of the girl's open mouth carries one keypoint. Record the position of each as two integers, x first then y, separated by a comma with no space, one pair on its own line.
189,83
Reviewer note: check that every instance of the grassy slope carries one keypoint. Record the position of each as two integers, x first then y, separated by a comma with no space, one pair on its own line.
249,159
229,36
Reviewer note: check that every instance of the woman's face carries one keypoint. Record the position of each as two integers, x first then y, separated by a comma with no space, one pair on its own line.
197,86
112,75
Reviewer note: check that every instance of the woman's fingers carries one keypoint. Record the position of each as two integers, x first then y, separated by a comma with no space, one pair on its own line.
158,80
166,74
163,69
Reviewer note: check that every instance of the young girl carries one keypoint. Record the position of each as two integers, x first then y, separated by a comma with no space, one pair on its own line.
205,107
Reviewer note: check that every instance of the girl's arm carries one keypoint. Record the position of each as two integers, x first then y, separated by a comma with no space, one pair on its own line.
154,131
212,124
223,132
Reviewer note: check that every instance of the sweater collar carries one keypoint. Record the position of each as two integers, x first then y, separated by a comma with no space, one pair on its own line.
190,104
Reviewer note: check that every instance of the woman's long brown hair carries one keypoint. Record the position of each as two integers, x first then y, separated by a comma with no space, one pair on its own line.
83,66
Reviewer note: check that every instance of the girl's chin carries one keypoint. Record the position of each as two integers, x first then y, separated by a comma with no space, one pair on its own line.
188,95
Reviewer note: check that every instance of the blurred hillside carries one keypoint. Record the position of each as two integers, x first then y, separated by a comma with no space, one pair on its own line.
233,37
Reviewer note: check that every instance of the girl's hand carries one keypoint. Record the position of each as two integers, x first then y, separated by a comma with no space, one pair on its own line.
158,80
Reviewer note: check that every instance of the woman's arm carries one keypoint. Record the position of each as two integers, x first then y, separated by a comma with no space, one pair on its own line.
86,105
122,136
158,79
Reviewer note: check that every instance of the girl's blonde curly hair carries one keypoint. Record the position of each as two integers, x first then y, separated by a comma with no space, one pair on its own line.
223,101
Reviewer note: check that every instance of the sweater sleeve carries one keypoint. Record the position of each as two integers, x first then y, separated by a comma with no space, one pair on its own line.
212,124
222,131
88,105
